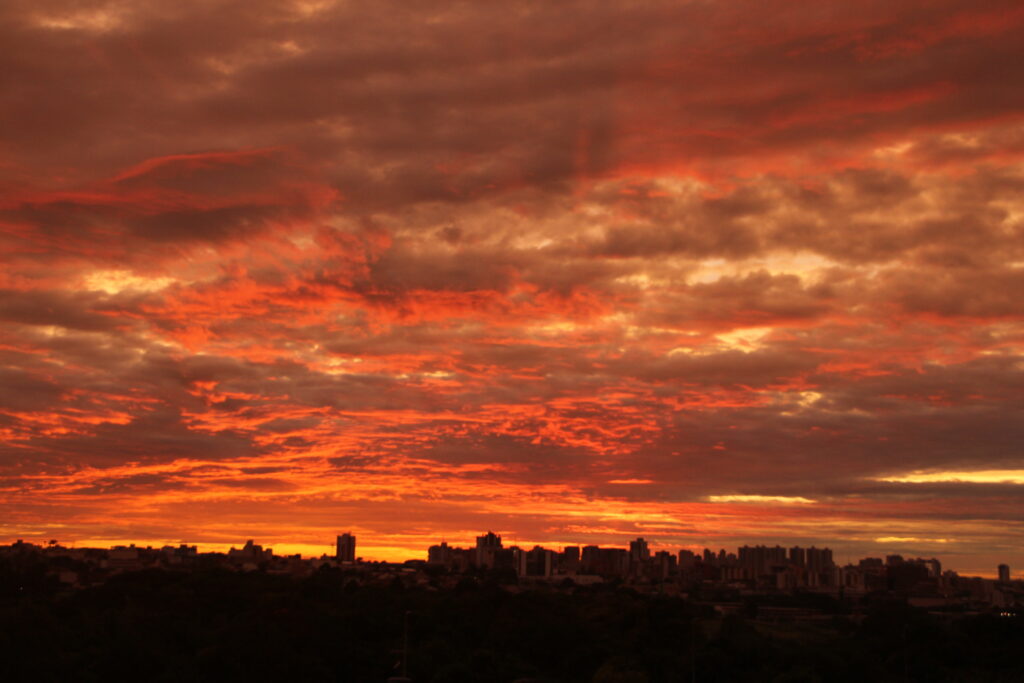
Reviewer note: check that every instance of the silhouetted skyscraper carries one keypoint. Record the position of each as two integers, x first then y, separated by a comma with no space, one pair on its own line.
1004,573
489,540
486,548
664,564
539,562
569,562
439,554
760,559
346,548
819,559
638,550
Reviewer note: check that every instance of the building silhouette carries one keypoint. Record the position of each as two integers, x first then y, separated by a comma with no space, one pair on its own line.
638,551
346,548
487,547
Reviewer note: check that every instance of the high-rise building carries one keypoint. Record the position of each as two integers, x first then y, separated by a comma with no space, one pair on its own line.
251,552
439,554
638,551
1004,573
569,562
760,559
489,540
486,548
538,562
664,564
346,547
612,562
819,559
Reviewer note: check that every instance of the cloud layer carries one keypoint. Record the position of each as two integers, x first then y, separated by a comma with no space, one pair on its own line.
573,272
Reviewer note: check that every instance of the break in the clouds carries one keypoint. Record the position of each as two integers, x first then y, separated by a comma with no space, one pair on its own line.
708,272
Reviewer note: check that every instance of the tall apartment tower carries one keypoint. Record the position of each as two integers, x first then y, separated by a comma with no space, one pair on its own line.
490,540
346,548
486,546
638,551
1004,573
819,559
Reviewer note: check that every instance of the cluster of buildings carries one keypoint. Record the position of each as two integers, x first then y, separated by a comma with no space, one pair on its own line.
760,566
751,570
756,569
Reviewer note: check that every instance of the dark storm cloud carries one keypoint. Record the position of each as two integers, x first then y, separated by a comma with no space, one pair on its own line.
155,211
255,484
26,392
135,484
340,81
158,436
75,310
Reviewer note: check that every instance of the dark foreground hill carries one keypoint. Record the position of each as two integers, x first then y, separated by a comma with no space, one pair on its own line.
219,625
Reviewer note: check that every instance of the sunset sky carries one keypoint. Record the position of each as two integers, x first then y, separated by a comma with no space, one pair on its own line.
712,273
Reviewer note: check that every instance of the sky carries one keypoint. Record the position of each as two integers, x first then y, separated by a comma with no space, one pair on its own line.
709,272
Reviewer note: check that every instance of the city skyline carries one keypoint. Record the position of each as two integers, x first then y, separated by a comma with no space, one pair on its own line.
335,618
346,550
373,550
699,272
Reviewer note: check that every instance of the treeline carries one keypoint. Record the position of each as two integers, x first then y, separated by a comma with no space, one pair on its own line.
219,625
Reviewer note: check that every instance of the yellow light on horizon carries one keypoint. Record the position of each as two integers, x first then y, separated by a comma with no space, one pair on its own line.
975,477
